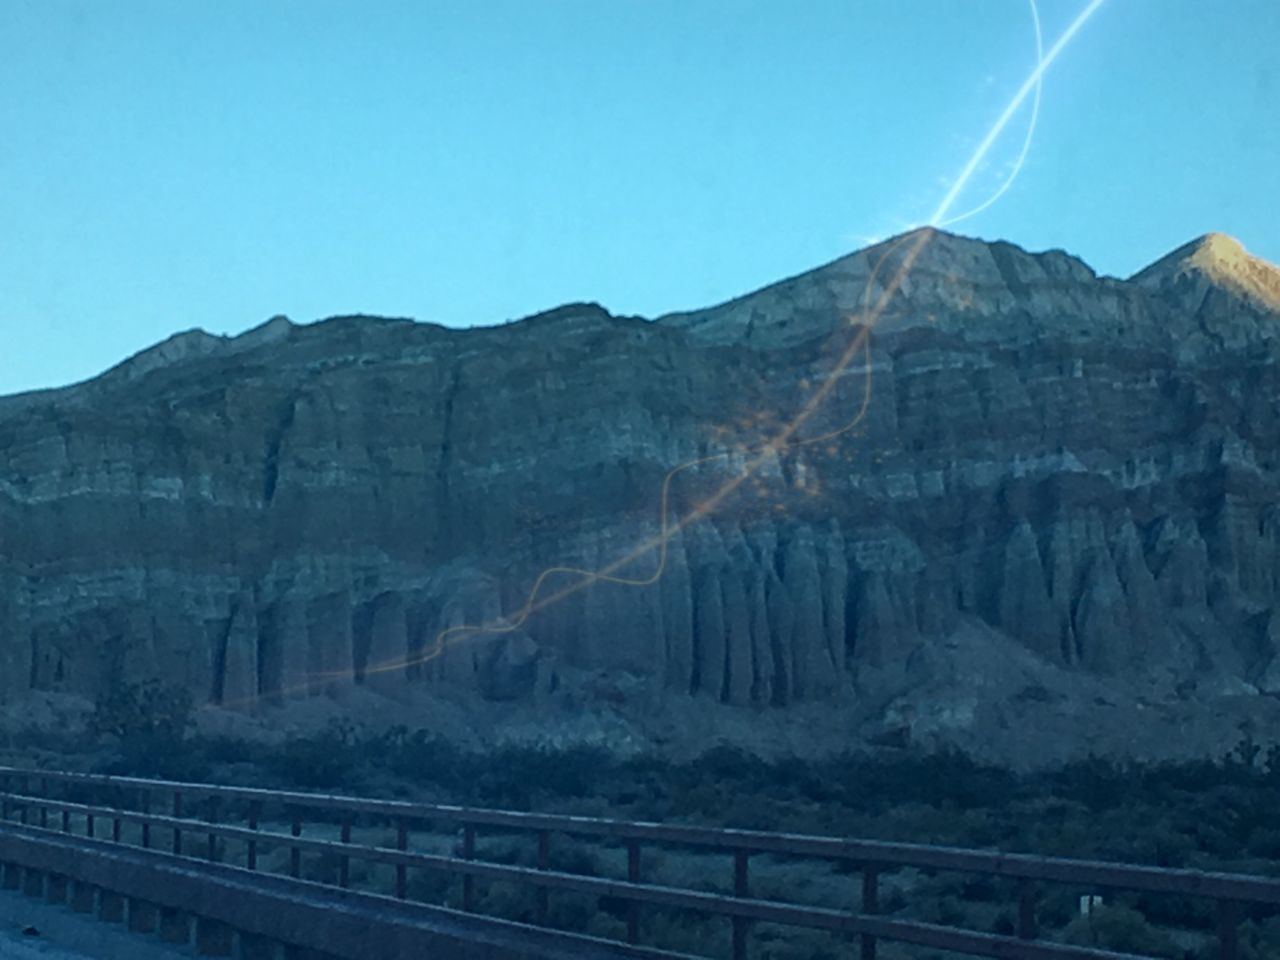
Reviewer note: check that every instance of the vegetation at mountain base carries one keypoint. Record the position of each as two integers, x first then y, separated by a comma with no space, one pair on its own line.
1219,814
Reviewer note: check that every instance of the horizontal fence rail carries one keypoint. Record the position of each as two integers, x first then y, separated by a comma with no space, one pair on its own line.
100,805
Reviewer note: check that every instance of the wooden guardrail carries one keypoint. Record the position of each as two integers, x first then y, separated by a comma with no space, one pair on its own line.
101,804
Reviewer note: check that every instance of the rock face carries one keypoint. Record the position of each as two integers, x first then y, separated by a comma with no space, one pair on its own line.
1087,465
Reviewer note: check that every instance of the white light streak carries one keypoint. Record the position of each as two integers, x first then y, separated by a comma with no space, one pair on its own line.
993,134
1026,141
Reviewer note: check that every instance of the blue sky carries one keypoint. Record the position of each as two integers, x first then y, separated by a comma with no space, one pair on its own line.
171,165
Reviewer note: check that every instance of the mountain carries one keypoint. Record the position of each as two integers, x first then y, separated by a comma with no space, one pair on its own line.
1215,264
1054,531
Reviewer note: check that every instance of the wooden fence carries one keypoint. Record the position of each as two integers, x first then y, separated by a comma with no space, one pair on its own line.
242,817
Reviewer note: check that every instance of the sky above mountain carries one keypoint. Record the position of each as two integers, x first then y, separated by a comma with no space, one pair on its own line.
167,166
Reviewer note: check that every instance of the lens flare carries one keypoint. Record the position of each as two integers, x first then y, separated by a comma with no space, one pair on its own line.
787,438
1026,140
1031,83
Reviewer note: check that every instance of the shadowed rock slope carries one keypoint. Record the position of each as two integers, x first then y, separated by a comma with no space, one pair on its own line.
1082,470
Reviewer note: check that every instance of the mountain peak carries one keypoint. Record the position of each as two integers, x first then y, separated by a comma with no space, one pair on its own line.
926,238
1220,260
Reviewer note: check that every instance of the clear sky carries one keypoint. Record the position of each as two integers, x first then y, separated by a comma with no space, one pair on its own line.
167,165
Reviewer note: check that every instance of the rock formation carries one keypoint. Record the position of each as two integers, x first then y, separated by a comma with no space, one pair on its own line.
1087,465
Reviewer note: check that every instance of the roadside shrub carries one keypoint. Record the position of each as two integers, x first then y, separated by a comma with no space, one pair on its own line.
146,709
1265,842
1120,929
323,760
150,721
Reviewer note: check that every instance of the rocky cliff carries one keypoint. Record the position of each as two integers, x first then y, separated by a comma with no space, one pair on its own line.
1081,469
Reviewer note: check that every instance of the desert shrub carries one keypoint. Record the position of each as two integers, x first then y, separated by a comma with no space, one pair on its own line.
570,855
511,901
945,778
149,721
324,867
800,778
225,750
725,764
1120,929
322,760
570,772
1185,777
581,913
983,889
1004,924
742,811
1096,782
947,909
426,758
431,886
1162,843
1264,841
685,932
146,709
510,776
1058,906
1260,940
1190,913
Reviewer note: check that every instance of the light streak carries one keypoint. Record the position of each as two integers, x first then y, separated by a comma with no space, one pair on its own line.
1026,141
998,127
785,439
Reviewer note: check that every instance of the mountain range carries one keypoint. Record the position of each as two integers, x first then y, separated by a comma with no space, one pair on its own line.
1036,514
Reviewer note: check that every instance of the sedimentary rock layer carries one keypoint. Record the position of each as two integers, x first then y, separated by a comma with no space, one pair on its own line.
1087,464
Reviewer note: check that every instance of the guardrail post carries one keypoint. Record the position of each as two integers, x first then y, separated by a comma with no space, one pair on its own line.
66,821
213,837
251,851
344,864
402,843
22,809
146,827
544,862
44,794
115,829
88,826
633,876
295,855
468,881
870,905
741,888
1228,929
1026,909
177,815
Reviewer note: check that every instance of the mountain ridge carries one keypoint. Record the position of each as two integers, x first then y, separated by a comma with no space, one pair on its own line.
972,286
1208,255
1057,513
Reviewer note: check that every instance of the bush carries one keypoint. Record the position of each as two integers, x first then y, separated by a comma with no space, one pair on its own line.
150,721
148,710
324,760
1120,929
